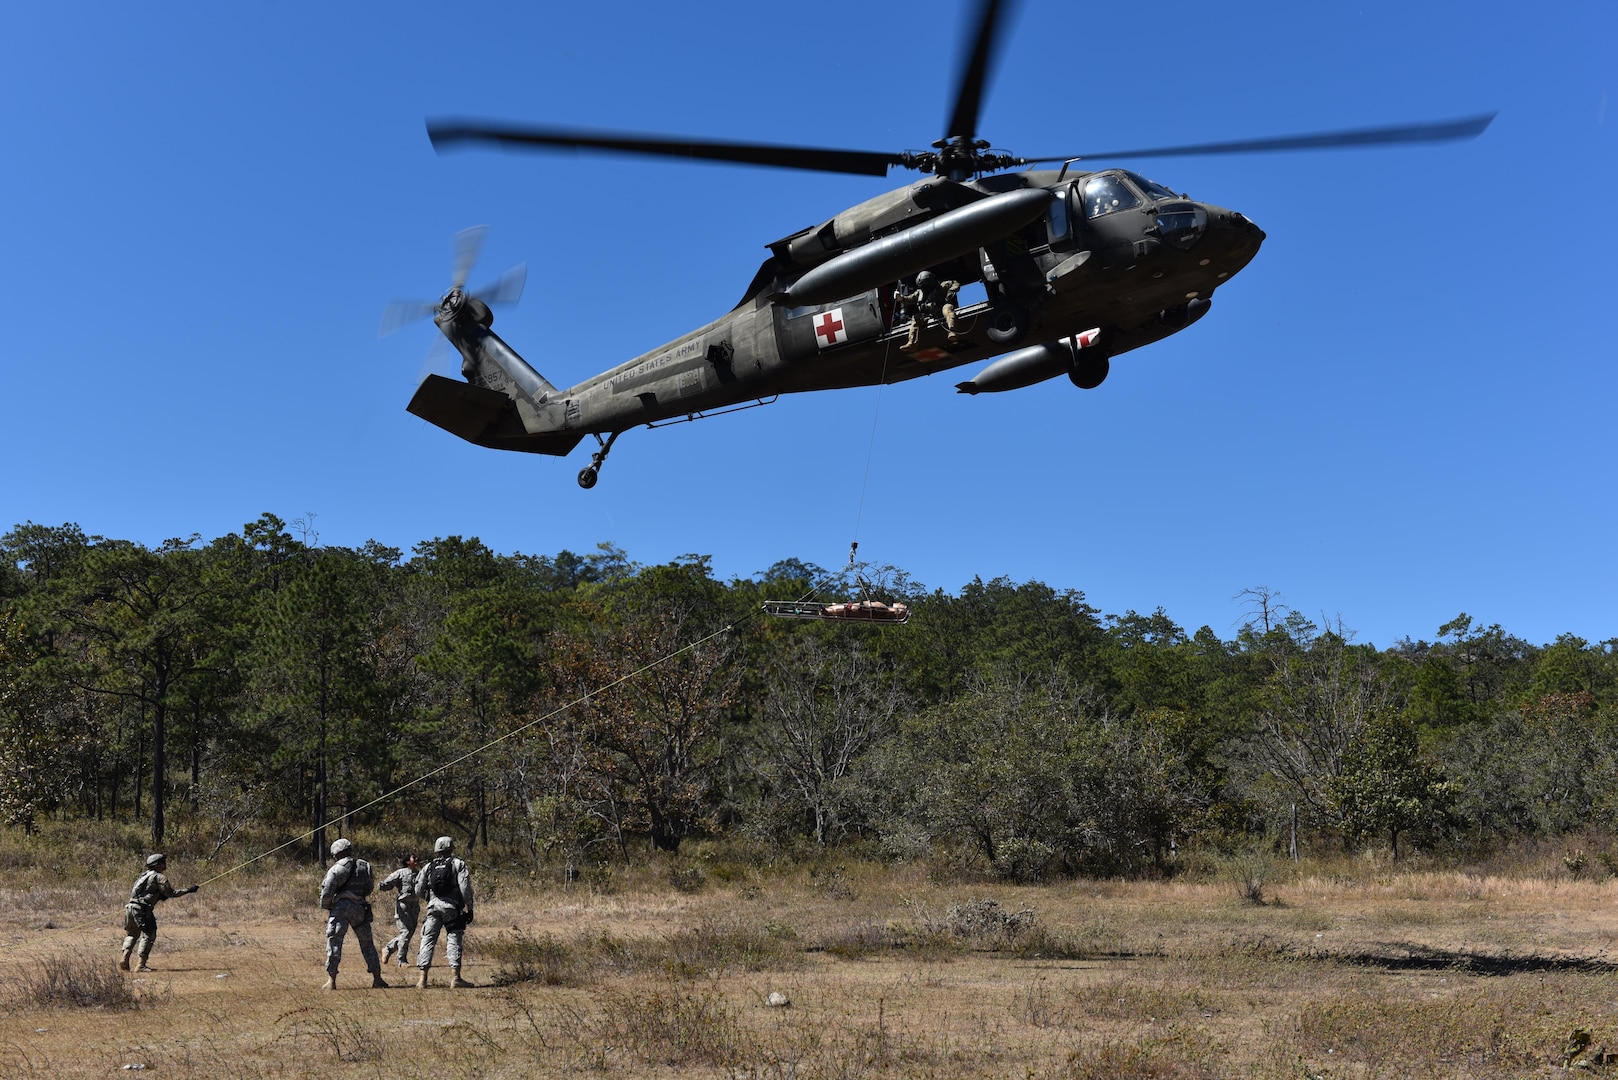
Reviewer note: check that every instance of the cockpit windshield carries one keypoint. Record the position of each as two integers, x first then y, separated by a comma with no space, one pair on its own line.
1152,191
1105,193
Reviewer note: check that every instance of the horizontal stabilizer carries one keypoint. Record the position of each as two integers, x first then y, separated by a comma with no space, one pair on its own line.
457,407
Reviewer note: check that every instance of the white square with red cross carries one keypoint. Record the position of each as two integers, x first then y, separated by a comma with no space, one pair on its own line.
830,329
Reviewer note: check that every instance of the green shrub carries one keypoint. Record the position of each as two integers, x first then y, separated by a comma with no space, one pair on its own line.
687,877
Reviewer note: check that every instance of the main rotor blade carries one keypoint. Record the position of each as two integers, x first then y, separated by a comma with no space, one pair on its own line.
468,243
1444,131
401,313
963,121
446,133
508,289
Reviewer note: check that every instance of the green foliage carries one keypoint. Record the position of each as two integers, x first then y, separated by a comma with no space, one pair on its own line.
1385,787
825,703
1037,781
315,673
652,662
1545,768
40,745
563,710
1320,694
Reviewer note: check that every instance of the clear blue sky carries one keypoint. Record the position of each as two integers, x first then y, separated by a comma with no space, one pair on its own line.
1402,410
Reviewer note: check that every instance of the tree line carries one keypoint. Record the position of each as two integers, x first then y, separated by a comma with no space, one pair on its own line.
566,709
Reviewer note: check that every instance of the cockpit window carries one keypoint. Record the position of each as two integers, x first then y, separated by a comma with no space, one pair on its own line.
1153,191
1105,193
1057,216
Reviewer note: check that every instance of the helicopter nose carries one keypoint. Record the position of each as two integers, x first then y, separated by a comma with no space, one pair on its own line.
1239,223
1230,242
1238,231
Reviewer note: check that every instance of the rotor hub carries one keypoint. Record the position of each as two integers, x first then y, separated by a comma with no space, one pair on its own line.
960,158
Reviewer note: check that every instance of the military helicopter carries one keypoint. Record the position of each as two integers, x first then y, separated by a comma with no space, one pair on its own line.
1076,267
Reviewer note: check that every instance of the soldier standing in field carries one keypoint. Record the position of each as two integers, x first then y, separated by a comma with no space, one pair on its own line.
446,885
140,921
342,894
406,908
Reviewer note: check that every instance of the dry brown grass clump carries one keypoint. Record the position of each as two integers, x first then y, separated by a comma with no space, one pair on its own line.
71,978
714,946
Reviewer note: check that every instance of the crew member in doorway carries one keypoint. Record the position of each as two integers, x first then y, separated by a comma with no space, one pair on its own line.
950,292
909,302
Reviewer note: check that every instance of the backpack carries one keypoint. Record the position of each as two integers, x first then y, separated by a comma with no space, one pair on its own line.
443,882
357,881
142,892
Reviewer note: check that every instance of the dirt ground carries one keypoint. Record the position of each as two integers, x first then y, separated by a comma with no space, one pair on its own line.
1430,974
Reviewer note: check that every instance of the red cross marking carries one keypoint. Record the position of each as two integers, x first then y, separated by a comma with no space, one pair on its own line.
828,328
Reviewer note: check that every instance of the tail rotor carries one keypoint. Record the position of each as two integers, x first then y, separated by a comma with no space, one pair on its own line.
468,244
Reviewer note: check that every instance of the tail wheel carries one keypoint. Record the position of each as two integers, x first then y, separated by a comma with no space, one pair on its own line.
588,477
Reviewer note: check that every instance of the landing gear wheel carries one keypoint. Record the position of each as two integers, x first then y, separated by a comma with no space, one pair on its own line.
592,472
1090,373
1008,322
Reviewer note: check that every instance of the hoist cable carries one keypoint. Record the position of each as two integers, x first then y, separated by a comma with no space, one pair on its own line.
870,449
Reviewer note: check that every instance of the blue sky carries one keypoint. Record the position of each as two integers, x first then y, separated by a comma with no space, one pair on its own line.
1402,410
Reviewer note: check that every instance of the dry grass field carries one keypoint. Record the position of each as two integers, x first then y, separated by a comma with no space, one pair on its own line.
1358,970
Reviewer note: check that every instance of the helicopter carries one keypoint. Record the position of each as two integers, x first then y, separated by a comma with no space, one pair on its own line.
1075,267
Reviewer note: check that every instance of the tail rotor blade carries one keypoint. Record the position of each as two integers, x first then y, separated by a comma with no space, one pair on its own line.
468,243
508,289
401,313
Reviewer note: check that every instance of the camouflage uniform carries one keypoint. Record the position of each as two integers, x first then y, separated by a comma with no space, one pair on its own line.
446,885
140,921
342,893
932,301
949,293
406,909
909,303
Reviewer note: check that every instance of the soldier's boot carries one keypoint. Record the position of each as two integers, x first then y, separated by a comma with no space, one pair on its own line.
330,983
387,952
143,965
376,981
456,981
421,983
123,961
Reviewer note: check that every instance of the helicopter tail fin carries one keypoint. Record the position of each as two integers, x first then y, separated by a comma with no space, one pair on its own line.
459,408
485,417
